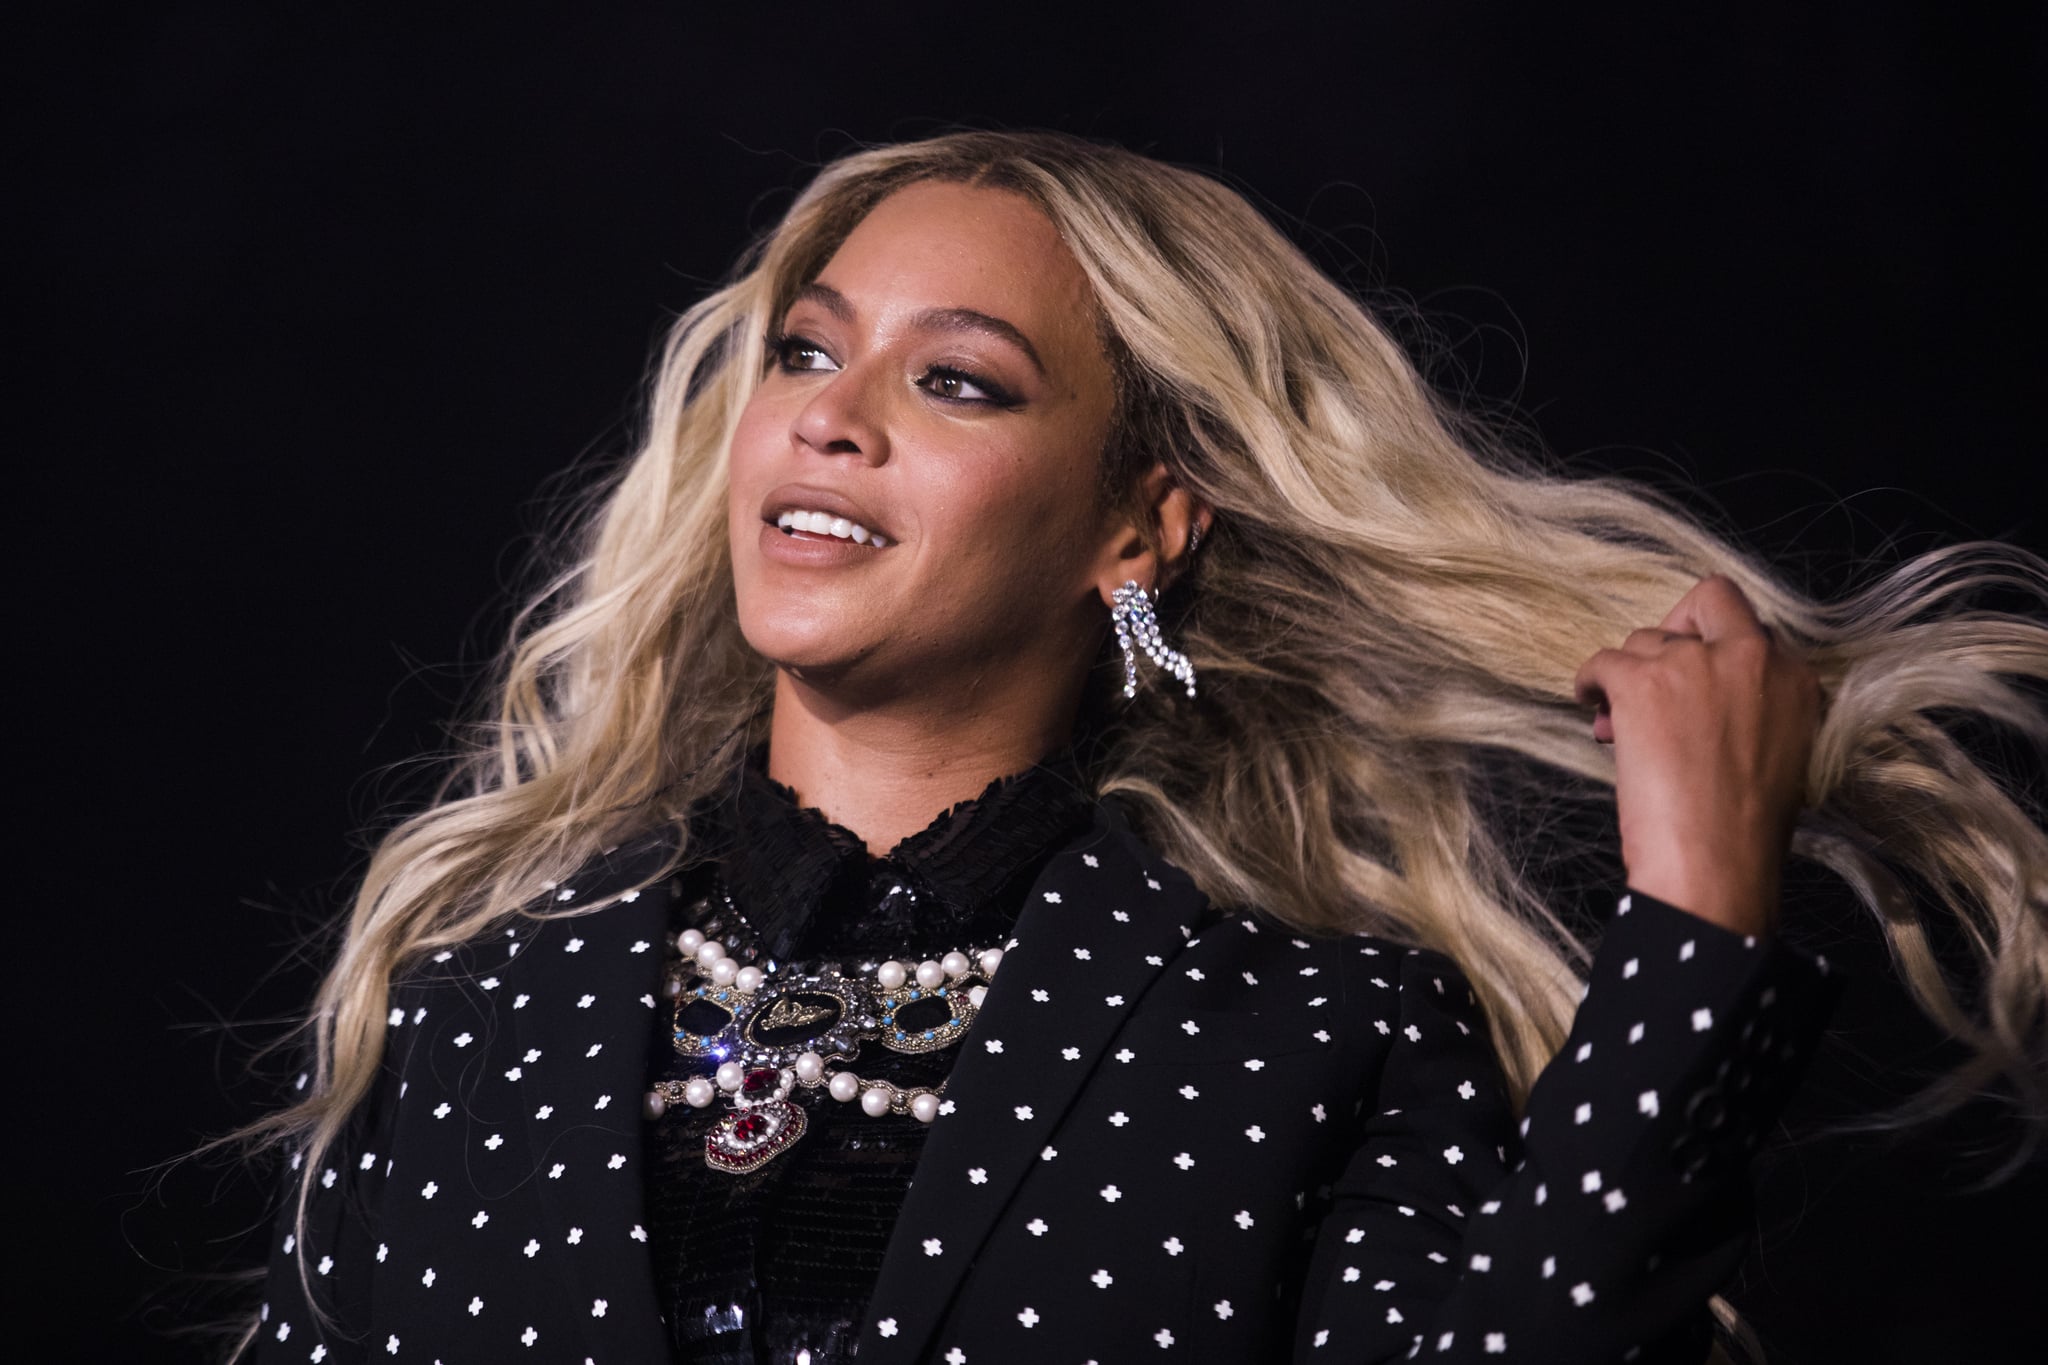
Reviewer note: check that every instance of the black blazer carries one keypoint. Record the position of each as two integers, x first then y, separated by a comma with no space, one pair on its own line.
1173,1134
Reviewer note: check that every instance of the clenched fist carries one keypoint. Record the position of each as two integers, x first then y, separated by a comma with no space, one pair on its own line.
1712,722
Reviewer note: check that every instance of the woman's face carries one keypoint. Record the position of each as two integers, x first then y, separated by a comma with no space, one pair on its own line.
913,495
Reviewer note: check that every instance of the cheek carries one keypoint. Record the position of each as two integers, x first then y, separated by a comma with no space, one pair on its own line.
752,438
759,437
1029,521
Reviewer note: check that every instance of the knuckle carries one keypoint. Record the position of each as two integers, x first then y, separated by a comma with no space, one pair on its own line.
1753,646
1683,652
1721,585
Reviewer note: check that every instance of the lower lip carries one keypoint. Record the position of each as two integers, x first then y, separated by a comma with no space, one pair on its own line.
813,551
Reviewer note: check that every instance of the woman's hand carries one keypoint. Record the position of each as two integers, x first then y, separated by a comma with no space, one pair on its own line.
1712,722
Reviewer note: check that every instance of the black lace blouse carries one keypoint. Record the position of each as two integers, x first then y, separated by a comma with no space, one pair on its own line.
776,1266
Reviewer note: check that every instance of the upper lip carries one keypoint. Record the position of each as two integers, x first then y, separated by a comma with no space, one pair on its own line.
803,497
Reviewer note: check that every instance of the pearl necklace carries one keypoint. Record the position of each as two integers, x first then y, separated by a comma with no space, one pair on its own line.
772,1026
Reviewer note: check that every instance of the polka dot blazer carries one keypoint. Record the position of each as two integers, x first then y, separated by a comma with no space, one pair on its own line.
1173,1134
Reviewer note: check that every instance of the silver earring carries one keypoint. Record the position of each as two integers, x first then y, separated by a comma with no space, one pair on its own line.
1134,619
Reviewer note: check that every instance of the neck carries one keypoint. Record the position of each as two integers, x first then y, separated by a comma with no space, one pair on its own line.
885,773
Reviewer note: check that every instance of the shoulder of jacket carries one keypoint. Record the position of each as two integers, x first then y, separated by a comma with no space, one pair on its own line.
640,858
1113,825
623,872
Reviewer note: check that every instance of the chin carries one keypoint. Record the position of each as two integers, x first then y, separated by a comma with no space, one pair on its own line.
800,642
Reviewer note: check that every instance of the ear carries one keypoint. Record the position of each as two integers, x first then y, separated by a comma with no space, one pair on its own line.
1149,543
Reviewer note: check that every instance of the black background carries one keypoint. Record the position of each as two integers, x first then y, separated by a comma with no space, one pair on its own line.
315,308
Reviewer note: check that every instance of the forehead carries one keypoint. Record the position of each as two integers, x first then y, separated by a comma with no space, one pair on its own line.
936,244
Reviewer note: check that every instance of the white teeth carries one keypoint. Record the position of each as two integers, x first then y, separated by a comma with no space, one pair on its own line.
825,524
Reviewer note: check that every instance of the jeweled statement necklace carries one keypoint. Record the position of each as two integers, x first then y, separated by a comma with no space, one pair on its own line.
768,1029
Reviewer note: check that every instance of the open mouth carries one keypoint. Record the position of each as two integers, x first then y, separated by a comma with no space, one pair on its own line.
797,521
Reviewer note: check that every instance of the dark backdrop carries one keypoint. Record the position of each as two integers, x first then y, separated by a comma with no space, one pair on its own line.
314,309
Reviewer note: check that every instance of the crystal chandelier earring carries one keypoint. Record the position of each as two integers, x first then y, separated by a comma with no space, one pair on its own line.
1136,623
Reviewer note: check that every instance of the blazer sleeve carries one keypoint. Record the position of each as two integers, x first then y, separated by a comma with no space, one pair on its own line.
1598,1231
316,1287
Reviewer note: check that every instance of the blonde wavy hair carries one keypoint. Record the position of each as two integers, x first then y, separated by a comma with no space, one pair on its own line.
1391,600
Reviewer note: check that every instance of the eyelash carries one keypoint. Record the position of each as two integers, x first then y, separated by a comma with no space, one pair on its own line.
784,346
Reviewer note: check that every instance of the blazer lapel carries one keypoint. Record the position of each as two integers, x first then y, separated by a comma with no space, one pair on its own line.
1098,926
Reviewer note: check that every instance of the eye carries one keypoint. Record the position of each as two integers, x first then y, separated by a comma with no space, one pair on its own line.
795,354
958,386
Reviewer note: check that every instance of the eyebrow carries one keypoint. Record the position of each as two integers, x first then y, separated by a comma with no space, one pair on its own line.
929,319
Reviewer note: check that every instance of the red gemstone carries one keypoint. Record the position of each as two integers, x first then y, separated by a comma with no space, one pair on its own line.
747,1127
758,1080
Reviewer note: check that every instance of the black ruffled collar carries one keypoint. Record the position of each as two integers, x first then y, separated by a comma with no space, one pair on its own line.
809,887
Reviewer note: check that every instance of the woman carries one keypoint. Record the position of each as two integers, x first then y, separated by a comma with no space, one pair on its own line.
1049,976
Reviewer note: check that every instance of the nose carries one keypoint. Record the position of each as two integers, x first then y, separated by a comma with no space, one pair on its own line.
843,418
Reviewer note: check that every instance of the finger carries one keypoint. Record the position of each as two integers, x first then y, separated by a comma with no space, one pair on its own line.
1648,643
1714,609
1606,670
1597,678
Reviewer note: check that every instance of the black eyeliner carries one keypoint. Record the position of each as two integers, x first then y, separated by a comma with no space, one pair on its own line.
778,344
998,397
